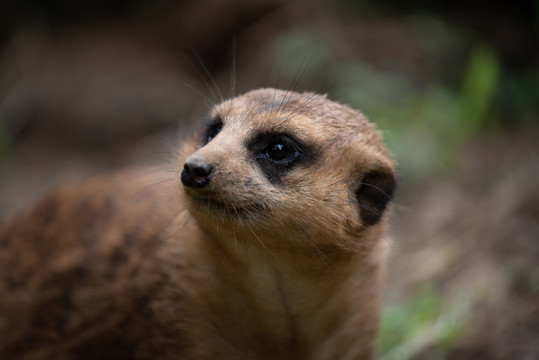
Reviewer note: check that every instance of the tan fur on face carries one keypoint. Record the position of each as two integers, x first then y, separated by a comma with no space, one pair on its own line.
318,198
248,267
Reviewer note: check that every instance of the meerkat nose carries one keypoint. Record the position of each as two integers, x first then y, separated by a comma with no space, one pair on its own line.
196,173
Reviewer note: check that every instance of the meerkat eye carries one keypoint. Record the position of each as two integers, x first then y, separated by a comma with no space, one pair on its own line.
213,129
278,153
281,152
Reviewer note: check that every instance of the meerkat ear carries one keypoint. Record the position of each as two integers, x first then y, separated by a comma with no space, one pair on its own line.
375,191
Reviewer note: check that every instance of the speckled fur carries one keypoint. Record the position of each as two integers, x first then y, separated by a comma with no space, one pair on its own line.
133,267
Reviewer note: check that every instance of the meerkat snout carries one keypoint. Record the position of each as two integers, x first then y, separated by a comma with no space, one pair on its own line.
196,173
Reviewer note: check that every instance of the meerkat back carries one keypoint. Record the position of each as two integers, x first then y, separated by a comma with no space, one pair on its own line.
266,244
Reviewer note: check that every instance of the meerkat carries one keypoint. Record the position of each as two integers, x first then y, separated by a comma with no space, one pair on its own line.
266,243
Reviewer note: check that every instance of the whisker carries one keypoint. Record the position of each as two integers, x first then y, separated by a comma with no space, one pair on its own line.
304,69
322,256
276,83
295,82
377,188
209,76
233,69
260,241
198,92
155,183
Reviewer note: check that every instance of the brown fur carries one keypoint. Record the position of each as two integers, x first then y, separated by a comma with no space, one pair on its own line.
116,269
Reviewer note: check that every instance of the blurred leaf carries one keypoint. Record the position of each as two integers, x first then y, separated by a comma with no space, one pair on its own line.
400,322
478,87
422,322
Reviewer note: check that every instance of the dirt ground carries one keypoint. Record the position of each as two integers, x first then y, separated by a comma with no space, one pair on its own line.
474,236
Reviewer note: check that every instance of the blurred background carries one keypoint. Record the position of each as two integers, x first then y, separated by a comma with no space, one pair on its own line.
92,86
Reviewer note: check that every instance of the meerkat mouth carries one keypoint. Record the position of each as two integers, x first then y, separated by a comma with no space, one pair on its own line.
211,204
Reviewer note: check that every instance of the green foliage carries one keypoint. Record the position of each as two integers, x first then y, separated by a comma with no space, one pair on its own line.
422,322
479,83
400,322
425,129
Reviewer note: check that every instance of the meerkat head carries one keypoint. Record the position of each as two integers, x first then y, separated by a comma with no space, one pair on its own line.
288,164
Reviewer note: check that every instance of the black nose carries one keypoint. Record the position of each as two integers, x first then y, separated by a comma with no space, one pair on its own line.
196,174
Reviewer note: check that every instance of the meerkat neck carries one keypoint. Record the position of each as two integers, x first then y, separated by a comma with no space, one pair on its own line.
306,298
249,250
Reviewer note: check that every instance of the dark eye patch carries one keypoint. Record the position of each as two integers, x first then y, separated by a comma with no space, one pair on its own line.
212,130
278,153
